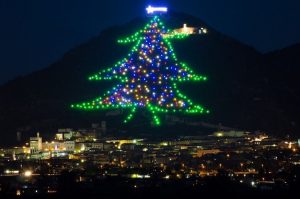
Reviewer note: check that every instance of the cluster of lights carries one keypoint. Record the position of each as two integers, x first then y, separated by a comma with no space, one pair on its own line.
148,77
165,34
175,35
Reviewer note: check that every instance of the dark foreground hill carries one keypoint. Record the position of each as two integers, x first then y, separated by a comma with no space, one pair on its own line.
246,89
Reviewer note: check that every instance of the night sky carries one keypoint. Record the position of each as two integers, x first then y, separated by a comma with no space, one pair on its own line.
35,33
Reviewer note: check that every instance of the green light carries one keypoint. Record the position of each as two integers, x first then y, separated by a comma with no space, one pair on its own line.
152,56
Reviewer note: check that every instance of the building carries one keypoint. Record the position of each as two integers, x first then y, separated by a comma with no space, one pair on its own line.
67,146
202,152
65,134
36,144
190,30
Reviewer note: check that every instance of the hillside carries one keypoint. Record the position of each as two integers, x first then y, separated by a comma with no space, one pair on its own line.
245,90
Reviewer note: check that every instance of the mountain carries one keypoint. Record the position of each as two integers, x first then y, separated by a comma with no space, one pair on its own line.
282,79
246,89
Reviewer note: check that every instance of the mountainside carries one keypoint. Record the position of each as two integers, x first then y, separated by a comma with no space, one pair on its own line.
246,90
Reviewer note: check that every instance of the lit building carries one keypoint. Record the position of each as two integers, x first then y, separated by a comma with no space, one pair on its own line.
66,134
190,30
202,152
53,146
85,146
68,146
36,144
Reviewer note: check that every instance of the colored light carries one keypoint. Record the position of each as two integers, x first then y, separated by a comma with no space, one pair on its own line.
147,77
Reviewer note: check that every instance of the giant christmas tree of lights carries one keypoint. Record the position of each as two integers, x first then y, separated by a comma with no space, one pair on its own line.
147,77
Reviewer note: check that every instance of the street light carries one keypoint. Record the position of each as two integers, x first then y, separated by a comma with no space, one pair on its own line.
28,173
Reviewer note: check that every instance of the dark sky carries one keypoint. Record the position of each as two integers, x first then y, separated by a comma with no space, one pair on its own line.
35,33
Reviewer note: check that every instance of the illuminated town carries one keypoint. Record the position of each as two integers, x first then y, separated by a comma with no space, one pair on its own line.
72,143
254,160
